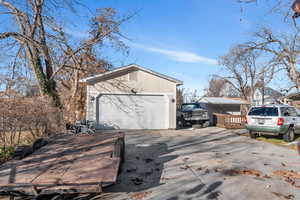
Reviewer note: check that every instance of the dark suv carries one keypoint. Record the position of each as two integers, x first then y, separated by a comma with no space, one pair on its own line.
193,114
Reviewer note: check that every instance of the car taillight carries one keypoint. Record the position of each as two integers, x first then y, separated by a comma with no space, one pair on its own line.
280,121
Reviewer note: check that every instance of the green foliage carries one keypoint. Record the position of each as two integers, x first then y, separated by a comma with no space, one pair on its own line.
6,153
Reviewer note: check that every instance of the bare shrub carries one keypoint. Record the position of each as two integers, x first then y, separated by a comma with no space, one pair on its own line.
23,120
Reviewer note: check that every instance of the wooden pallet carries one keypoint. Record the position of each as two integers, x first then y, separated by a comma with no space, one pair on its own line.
69,163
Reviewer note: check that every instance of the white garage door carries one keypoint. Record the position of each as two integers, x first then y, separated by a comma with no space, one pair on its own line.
132,112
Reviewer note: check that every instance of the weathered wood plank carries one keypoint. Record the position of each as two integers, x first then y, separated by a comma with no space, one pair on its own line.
68,162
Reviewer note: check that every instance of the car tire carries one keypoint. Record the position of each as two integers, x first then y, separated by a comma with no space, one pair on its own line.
289,136
197,126
253,135
180,123
205,124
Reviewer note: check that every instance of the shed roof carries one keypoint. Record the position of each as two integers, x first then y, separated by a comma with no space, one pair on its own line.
128,68
222,101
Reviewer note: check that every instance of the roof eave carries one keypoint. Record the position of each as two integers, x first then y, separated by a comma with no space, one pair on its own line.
132,66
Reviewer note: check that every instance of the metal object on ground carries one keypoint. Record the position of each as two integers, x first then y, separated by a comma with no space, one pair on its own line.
82,127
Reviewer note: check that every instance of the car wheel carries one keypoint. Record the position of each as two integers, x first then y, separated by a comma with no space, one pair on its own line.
197,126
289,136
253,135
205,124
180,123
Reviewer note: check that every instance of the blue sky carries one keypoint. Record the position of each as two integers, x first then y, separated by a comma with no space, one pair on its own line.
180,38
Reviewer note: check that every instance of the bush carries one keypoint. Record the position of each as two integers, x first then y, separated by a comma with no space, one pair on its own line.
23,120
6,153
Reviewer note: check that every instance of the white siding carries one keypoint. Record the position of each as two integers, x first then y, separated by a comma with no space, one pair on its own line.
131,82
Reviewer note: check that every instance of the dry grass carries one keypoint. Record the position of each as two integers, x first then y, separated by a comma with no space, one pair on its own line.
279,141
26,138
23,120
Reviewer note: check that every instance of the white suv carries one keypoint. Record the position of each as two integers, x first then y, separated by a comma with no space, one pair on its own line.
273,120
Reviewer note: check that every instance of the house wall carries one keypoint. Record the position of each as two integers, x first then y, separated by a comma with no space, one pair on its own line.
268,98
257,98
128,83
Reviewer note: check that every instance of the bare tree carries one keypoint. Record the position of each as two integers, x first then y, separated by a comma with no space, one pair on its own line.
215,87
82,60
58,61
244,72
285,7
283,50
28,30
219,87
179,97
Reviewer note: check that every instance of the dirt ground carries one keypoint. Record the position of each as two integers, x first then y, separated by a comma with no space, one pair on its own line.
210,163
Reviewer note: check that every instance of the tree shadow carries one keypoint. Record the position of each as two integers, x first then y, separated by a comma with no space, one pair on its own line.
201,191
142,168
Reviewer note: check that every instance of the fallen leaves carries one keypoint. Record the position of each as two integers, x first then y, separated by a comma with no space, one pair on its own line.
287,197
287,174
267,176
140,195
148,160
137,181
290,176
250,172
185,167
131,170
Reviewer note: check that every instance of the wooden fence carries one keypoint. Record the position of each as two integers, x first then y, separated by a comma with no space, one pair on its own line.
229,121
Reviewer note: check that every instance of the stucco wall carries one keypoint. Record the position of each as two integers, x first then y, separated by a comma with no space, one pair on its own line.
128,82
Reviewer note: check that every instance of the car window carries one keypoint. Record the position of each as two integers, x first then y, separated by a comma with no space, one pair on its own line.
263,111
288,111
186,107
284,111
292,112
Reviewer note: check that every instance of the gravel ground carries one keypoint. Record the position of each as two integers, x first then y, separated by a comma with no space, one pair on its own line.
210,163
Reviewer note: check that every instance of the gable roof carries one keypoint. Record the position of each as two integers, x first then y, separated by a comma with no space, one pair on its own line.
270,92
222,100
128,68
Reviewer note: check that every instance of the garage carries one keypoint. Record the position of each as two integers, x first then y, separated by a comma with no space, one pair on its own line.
132,112
131,97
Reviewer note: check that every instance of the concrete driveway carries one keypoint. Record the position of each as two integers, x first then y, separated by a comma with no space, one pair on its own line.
210,163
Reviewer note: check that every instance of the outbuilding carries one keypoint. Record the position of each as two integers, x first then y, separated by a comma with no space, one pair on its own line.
132,97
223,105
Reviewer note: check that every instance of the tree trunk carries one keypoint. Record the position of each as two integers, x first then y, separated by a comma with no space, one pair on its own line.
294,75
46,86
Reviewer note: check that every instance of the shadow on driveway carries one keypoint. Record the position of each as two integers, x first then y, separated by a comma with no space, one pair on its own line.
142,168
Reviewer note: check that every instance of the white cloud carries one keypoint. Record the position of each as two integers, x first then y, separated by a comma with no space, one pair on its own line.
181,56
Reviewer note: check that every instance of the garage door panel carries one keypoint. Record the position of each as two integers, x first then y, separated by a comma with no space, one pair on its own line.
132,112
